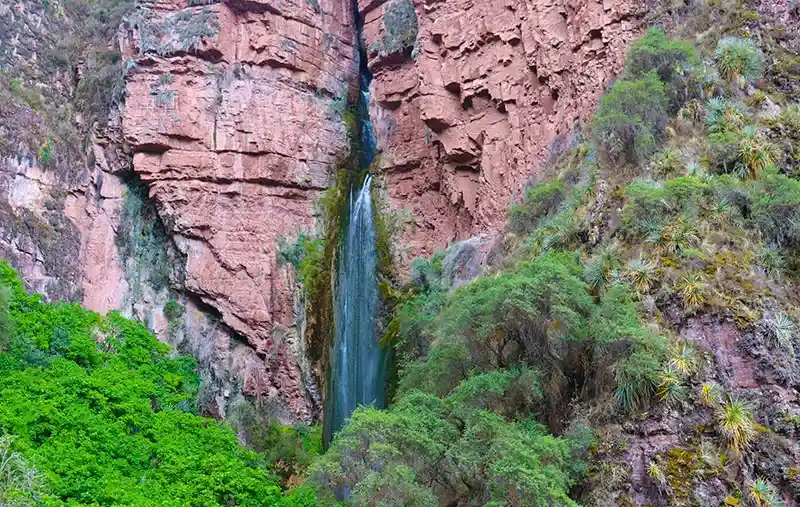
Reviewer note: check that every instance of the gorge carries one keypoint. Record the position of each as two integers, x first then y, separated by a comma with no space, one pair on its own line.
402,252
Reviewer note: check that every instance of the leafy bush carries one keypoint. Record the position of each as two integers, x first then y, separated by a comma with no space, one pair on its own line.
630,119
494,322
142,239
776,209
540,201
653,211
103,411
306,254
427,446
654,52
738,58
675,61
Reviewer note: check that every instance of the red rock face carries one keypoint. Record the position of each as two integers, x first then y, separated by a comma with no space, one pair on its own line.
237,137
471,114
237,133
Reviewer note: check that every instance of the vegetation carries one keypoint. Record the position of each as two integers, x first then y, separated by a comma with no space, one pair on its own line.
685,217
735,424
630,119
142,240
738,58
105,414
306,256
20,483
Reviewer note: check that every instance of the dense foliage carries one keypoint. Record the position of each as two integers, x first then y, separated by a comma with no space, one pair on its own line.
104,412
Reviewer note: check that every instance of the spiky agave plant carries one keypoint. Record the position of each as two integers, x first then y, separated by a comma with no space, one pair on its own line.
670,389
641,274
656,473
693,290
780,329
723,116
763,494
734,422
710,395
602,269
682,359
755,153
772,261
738,58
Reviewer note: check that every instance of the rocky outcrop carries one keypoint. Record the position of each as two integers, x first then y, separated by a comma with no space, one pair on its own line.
236,131
469,112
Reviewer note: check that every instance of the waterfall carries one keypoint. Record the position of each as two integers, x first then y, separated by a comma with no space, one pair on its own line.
357,375
358,360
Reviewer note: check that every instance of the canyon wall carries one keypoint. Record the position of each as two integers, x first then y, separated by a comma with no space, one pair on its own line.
233,121
469,111
236,137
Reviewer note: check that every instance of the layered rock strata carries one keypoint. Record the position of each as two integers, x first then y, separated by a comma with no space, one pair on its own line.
236,131
470,109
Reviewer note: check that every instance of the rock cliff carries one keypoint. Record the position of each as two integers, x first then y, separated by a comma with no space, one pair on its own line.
233,121
470,109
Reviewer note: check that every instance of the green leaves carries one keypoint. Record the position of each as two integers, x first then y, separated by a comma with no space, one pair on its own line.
738,58
654,52
104,413
630,119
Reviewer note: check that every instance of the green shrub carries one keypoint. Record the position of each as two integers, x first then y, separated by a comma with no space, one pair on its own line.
675,61
540,201
31,97
45,153
776,209
143,239
395,457
5,324
415,319
103,87
651,207
630,119
654,52
20,483
104,413
173,310
738,58
306,254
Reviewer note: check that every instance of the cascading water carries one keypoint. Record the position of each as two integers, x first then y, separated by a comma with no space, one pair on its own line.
357,359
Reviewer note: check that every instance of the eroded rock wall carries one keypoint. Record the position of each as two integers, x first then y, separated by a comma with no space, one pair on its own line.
237,133
233,120
471,112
